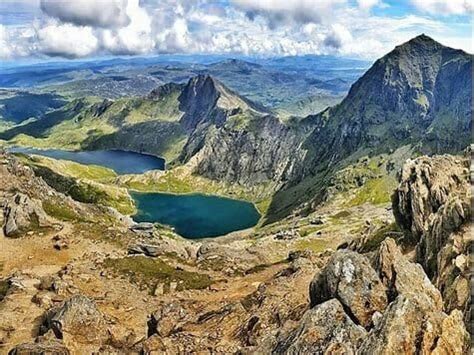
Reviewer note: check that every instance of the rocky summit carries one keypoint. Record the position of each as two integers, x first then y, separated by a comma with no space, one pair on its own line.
363,246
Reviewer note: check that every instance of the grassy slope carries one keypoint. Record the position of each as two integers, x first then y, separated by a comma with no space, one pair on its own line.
84,183
130,122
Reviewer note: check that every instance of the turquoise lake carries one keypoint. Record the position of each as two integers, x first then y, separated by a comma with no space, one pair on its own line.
120,161
195,215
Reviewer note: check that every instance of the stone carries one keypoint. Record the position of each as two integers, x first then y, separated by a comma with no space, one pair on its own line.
432,204
409,327
23,214
44,347
323,329
145,249
78,319
350,278
165,320
406,278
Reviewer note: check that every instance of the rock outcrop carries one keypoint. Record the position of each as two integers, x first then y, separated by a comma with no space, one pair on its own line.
23,214
77,320
349,278
413,322
40,347
432,205
325,328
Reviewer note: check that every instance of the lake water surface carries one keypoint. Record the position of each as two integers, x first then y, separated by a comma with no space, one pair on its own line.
120,161
195,215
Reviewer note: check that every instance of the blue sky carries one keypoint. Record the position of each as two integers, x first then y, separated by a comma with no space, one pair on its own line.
66,29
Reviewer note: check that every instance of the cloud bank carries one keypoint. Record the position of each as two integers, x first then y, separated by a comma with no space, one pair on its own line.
85,28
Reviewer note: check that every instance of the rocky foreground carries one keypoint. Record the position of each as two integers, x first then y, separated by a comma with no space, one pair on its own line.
80,278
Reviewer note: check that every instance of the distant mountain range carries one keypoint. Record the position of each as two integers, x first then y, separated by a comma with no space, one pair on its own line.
263,80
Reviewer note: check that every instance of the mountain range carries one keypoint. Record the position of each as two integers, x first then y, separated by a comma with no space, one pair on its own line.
418,96
363,244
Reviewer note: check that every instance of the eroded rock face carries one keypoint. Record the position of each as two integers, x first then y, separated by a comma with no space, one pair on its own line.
350,278
409,327
403,277
432,204
325,328
23,214
78,319
426,184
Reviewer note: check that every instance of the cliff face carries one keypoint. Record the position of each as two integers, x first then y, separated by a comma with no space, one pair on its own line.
268,152
432,205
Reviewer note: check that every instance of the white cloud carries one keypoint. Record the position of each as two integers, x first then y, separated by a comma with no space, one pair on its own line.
136,38
281,11
337,37
265,27
444,7
96,13
66,40
368,4
5,45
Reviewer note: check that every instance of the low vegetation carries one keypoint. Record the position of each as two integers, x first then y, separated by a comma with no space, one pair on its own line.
150,273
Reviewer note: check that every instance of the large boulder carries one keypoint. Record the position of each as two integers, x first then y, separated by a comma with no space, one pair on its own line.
23,214
326,329
77,319
40,347
350,278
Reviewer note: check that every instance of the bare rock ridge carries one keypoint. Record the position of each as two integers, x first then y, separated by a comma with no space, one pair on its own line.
421,316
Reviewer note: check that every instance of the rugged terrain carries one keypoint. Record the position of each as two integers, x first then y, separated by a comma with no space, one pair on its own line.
364,244
417,97
82,278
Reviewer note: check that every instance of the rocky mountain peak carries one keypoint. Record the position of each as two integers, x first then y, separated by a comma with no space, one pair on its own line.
419,93
421,40
204,98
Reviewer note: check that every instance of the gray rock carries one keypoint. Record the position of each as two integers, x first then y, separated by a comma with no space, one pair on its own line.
145,249
432,205
408,327
77,318
406,278
326,329
350,278
43,347
23,214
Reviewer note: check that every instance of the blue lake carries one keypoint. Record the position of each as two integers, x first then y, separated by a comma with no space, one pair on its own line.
121,162
195,215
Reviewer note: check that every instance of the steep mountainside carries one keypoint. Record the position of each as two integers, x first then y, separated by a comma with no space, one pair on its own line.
418,95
